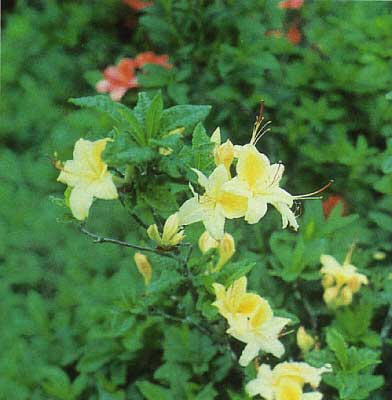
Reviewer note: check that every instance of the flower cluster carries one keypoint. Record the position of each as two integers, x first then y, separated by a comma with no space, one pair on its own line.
340,282
247,194
119,79
250,320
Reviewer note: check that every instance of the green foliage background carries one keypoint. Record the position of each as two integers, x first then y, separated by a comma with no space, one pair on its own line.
67,332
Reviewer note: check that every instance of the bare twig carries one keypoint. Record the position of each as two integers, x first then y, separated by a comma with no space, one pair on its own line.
387,325
101,239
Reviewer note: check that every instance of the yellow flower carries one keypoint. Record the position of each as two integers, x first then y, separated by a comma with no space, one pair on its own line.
172,233
340,281
143,266
215,205
286,381
88,177
260,180
250,320
223,153
304,341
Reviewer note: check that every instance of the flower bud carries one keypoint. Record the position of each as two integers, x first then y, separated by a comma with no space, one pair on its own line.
328,281
226,250
172,233
170,228
143,266
379,255
153,233
216,137
330,295
224,154
165,151
304,341
207,242
346,296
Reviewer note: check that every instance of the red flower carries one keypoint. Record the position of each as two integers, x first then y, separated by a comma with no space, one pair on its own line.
293,35
138,5
118,79
291,4
151,58
332,202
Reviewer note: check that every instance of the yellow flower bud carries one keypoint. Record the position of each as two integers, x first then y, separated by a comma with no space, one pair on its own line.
165,151
304,341
172,232
226,250
330,295
346,296
207,242
328,281
153,233
143,266
224,154
379,255
170,228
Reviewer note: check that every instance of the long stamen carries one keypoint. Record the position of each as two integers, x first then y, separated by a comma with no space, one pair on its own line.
280,164
308,195
262,131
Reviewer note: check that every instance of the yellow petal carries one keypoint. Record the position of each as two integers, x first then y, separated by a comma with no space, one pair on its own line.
214,222
252,165
190,212
80,202
105,188
257,208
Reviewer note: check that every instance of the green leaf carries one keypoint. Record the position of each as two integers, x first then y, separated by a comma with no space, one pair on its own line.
201,149
152,391
118,112
122,150
153,116
337,344
183,116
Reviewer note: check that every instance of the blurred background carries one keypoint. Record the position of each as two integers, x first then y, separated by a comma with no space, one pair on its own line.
323,69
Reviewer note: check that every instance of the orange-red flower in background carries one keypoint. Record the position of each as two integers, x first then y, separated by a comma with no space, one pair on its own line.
118,79
293,35
291,4
138,5
332,201
149,57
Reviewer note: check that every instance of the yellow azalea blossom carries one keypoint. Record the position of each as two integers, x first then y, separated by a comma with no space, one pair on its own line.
250,320
215,205
223,153
260,180
304,341
286,381
340,282
172,233
143,266
87,176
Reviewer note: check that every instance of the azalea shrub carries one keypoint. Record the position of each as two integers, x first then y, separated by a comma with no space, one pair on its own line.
170,236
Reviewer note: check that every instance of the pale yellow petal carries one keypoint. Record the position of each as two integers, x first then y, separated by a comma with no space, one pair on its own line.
288,217
250,352
257,208
215,181
105,188
190,212
214,222
201,178
312,396
216,136
252,165
263,384
80,202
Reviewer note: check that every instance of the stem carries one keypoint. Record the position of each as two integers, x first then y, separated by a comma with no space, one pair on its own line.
387,324
101,239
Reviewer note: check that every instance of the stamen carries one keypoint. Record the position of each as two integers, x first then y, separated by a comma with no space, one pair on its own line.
276,174
308,195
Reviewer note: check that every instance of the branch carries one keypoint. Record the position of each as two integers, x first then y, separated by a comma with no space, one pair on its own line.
387,325
101,239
